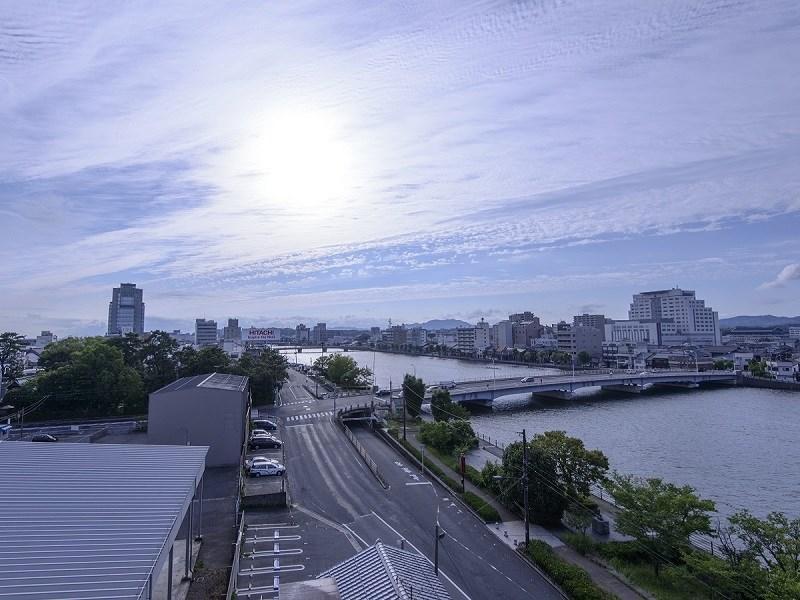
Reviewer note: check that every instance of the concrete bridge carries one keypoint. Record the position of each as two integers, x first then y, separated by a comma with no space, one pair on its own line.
562,386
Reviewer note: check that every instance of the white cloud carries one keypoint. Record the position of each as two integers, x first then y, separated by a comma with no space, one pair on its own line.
788,273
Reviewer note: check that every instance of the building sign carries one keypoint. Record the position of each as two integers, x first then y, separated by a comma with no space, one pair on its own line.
260,334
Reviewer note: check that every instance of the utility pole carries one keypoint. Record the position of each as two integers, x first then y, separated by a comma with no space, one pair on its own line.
525,487
403,395
436,550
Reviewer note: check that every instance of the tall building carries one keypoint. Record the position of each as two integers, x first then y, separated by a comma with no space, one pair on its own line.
683,318
232,332
503,334
205,333
596,321
45,338
319,334
301,333
577,338
126,310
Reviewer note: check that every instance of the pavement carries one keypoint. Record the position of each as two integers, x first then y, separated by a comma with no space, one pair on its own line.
329,480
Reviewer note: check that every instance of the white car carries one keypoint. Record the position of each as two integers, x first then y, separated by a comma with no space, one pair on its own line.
256,460
264,469
261,433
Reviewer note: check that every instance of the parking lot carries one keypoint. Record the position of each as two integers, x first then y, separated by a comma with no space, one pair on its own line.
267,485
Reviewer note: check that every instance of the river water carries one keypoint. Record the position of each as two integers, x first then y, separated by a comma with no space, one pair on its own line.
736,446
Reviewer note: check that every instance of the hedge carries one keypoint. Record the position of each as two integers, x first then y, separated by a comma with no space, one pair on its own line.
573,580
487,512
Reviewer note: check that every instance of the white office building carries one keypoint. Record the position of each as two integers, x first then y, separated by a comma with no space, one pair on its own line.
205,333
648,332
683,318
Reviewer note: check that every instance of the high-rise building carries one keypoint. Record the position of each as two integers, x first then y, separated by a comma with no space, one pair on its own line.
45,338
596,321
126,310
232,332
301,333
503,334
319,334
683,318
205,333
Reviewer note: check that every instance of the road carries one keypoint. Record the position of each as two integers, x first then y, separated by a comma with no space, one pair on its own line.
327,476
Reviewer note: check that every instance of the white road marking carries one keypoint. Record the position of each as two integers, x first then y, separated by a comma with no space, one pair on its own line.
453,583
419,483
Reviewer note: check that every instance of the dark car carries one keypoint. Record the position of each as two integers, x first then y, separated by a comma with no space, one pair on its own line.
264,442
44,437
264,424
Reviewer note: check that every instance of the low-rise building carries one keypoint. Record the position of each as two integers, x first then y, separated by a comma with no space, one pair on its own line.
207,410
784,370
576,339
635,331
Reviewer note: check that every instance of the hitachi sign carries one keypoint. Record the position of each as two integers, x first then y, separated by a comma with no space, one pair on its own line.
259,334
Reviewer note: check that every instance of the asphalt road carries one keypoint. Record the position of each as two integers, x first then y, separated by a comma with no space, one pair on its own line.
327,476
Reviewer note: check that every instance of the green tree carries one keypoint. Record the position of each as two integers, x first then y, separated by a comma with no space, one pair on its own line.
774,540
546,498
448,436
759,368
584,358
211,359
11,344
130,345
95,381
61,353
723,365
267,372
444,409
344,371
576,467
413,394
661,516
157,360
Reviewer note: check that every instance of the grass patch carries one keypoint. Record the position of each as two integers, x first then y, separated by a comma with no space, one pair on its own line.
671,584
573,580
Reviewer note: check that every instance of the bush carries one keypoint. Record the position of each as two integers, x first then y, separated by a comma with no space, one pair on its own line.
583,544
573,580
487,512
625,551
447,436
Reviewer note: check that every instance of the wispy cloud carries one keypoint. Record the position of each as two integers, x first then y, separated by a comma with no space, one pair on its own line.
304,152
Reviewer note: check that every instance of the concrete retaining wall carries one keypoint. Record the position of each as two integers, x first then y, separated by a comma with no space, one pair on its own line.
772,384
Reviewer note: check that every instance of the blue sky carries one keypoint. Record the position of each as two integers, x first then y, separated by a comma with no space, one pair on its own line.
356,161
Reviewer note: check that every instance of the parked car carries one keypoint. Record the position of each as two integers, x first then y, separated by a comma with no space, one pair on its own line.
44,437
263,441
260,433
265,424
262,469
258,460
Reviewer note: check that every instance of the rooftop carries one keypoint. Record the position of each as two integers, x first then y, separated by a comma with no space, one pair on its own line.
90,521
383,572
219,381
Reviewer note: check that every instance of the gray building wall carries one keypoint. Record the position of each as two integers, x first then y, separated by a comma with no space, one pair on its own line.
126,310
202,416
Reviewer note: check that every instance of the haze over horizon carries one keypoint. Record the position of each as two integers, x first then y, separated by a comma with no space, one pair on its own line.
356,162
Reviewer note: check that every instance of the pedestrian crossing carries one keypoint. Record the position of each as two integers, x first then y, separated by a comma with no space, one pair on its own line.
306,417
300,402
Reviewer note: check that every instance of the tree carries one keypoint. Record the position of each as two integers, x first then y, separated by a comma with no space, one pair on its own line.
413,394
267,372
576,467
723,365
344,371
774,540
11,344
448,436
94,381
661,516
61,353
546,499
444,409
584,358
157,360
211,359
130,345
758,368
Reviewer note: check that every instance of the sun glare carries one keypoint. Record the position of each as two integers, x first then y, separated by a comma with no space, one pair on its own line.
302,160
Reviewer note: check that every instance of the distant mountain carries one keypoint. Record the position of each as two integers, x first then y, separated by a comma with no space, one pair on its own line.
436,324
759,321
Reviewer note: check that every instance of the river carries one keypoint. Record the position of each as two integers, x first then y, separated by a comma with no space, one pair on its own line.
736,446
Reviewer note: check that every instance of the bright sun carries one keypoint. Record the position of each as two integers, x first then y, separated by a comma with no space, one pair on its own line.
302,161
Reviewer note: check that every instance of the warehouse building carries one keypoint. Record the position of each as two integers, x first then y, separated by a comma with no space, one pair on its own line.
208,410
97,520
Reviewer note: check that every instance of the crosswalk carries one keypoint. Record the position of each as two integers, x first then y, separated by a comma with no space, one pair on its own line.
306,417
299,402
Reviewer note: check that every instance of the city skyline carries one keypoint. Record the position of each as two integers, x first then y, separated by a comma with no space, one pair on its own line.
311,162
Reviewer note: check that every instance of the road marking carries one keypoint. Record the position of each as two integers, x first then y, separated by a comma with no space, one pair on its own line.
419,483
333,524
453,583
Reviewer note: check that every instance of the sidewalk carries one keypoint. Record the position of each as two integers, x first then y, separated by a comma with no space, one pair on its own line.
512,530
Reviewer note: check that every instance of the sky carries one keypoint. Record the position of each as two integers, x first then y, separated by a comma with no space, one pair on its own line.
352,162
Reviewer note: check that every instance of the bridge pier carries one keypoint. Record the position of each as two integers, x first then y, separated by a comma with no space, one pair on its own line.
634,388
684,385
553,394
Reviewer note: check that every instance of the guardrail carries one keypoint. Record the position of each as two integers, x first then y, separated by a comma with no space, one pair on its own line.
371,465
237,553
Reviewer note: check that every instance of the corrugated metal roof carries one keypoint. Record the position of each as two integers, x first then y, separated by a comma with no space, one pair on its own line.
220,381
383,572
89,520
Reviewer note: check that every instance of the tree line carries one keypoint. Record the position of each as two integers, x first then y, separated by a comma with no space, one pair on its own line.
112,376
